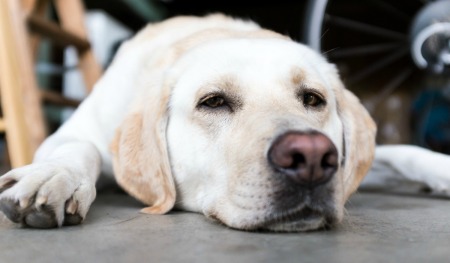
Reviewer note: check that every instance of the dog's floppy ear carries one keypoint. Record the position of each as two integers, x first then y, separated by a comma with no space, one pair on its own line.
359,138
141,160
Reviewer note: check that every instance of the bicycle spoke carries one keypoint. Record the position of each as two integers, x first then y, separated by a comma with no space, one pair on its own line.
389,8
380,64
362,50
390,87
363,27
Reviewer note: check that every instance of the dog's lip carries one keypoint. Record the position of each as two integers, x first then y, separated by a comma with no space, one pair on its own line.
299,219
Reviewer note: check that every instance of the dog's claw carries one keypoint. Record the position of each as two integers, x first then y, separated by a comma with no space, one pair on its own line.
25,202
41,200
71,216
71,206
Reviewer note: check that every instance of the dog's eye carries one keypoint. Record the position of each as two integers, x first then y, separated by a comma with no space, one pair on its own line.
213,102
311,99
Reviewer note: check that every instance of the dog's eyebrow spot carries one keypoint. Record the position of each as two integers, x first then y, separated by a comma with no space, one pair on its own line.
228,83
225,83
297,76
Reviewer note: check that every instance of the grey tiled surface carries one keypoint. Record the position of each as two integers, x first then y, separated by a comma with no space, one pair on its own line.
377,228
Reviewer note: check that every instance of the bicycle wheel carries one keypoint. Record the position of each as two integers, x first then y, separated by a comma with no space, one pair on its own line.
371,43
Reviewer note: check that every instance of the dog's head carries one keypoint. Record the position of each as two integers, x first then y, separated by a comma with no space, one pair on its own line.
256,132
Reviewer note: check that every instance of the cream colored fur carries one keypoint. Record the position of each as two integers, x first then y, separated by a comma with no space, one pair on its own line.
144,124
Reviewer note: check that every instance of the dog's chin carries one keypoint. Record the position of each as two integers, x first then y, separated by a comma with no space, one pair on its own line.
301,225
305,220
287,221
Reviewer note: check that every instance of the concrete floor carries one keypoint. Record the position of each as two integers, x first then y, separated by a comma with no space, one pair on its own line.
378,228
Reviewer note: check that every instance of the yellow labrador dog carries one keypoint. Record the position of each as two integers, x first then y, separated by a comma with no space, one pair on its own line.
218,116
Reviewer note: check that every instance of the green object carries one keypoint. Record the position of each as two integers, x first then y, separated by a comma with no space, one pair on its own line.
147,9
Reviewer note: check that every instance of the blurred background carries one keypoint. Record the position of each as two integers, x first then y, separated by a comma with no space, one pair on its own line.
395,55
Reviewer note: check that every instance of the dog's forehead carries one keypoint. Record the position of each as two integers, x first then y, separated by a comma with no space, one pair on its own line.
250,60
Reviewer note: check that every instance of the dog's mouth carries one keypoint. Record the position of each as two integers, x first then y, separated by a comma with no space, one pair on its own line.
302,220
299,219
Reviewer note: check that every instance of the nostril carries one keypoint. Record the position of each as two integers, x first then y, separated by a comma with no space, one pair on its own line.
329,164
298,160
329,160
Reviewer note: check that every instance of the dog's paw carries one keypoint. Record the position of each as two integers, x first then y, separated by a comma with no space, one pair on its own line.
435,177
45,195
438,186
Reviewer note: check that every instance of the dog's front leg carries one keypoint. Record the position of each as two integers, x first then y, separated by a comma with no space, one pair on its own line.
57,189
396,164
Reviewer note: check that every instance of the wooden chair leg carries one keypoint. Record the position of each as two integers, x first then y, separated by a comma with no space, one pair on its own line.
21,103
28,6
37,8
20,96
71,13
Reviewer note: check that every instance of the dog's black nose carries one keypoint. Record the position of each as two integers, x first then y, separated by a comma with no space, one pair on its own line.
308,158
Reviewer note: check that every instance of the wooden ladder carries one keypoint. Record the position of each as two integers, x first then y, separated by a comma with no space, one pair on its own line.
22,24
